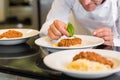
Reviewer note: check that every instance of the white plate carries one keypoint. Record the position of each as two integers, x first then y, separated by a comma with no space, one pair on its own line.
88,41
58,60
27,33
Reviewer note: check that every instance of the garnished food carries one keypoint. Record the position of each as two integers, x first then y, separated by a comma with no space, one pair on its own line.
90,61
11,34
70,29
65,41
69,42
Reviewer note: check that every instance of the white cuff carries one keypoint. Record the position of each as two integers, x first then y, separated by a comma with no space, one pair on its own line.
116,42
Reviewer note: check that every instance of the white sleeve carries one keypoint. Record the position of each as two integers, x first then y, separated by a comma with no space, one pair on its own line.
118,21
117,40
60,10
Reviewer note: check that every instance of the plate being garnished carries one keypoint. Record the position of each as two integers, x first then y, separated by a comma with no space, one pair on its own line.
84,63
87,41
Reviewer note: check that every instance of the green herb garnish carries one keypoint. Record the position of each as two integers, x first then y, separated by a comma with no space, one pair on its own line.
70,29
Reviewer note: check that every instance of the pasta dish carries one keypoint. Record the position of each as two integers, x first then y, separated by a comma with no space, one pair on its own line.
90,61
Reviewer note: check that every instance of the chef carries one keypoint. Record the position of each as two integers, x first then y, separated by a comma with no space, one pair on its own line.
100,17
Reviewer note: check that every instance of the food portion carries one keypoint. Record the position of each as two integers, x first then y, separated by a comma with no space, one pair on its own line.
11,34
90,61
69,42
92,56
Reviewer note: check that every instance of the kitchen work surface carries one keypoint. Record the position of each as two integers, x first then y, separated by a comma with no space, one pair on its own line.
26,60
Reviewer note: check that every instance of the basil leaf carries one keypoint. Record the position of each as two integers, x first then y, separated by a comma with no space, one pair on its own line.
70,29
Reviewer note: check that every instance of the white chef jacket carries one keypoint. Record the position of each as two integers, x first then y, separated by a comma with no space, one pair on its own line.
106,14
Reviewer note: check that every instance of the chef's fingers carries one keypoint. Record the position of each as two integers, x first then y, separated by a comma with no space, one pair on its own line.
52,35
102,29
54,30
105,34
108,38
61,26
109,43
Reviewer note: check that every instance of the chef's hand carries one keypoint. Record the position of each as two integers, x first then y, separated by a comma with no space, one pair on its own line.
57,29
105,33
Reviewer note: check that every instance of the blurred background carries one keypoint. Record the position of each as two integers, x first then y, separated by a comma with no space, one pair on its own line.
23,13
15,13
29,14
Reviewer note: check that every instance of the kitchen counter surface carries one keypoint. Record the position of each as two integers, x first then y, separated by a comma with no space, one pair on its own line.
25,61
